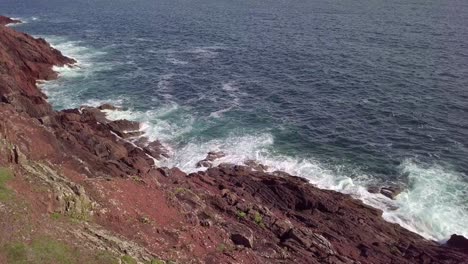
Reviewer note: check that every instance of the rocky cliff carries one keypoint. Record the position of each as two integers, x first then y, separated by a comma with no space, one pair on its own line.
79,187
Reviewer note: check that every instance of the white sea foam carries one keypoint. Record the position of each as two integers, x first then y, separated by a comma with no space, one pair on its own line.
219,113
229,86
233,100
434,205
157,123
163,85
176,61
24,20
98,102
88,59
61,92
204,52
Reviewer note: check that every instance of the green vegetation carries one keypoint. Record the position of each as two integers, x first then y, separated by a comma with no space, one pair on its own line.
223,248
55,216
157,261
49,251
81,209
128,260
241,215
5,176
258,219
179,190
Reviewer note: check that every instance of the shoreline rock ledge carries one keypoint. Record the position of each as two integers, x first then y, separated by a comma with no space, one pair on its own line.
74,177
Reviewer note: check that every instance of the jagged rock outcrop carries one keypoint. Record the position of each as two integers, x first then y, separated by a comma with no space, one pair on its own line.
23,61
129,205
6,20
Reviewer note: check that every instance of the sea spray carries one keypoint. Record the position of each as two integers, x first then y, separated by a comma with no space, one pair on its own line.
435,204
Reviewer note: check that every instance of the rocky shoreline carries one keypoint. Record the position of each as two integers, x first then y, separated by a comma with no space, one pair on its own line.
121,202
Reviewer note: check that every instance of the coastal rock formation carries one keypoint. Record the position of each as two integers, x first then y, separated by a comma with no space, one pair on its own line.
24,60
79,165
458,241
6,20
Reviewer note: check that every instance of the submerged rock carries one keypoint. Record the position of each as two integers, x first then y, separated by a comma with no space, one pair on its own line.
214,155
389,191
255,165
107,106
210,157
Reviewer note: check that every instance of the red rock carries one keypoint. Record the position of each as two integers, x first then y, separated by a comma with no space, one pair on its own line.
22,66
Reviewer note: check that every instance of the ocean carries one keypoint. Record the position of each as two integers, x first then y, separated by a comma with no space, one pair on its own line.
347,94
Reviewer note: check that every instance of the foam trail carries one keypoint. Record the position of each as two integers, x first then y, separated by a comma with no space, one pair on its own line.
176,61
234,101
63,91
163,123
434,205
87,58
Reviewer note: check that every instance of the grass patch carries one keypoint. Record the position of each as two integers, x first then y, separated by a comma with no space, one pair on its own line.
128,260
50,251
157,261
179,190
81,209
5,176
223,248
56,216
241,215
258,219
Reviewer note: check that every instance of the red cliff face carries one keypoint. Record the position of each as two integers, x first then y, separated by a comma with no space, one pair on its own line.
24,60
78,164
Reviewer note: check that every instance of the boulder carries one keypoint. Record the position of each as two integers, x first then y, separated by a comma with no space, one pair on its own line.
121,127
154,148
458,241
255,165
210,157
391,192
214,155
107,106
138,163
204,163
241,235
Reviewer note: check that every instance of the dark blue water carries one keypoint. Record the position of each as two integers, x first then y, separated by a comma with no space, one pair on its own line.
343,93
